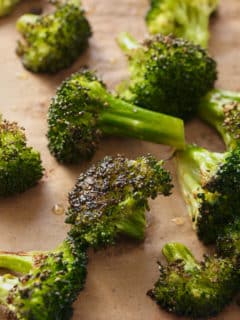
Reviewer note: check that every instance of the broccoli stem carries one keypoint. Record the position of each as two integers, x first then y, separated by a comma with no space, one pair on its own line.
211,110
174,252
127,42
17,262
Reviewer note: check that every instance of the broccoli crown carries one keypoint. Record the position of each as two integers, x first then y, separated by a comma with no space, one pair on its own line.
187,19
20,165
73,117
191,288
211,204
6,6
228,242
49,289
168,75
53,41
221,109
111,199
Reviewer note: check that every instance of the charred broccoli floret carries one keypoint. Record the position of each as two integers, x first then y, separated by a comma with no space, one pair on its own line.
20,165
110,199
49,284
167,74
191,288
221,109
83,110
6,6
53,41
188,19
210,186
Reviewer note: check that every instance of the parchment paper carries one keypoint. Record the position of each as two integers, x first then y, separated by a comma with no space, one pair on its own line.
118,277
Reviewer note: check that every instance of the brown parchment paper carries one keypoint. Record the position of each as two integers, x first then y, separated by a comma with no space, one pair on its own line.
118,277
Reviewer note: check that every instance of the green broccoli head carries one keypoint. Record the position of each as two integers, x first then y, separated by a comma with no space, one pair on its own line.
221,109
50,286
6,6
20,165
53,41
188,19
210,188
83,110
167,74
110,199
191,288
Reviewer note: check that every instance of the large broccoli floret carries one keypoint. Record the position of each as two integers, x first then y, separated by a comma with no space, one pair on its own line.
110,199
20,165
188,19
6,6
191,288
167,74
49,284
53,41
83,110
221,109
210,186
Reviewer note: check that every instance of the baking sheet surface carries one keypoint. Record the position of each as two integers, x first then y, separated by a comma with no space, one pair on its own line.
118,277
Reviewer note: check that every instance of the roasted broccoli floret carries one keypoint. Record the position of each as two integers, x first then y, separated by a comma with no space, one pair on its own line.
210,186
6,6
20,165
110,199
191,288
188,19
167,74
53,41
83,110
221,109
48,285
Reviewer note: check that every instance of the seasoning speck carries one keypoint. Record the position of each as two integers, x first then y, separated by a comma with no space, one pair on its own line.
58,209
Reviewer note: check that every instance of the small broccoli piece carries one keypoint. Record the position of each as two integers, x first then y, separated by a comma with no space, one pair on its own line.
110,199
83,110
167,74
20,165
191,288
49,284
6,6
221,109
210,187
53,41
188,19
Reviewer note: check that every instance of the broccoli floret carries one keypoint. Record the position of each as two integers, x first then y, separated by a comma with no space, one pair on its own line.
221,109
20,165
188,19
49,284
83,110
110,199
167,74
191,288
210,187
53,41
6,6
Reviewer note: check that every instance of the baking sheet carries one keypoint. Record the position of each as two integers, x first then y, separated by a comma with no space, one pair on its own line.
118,277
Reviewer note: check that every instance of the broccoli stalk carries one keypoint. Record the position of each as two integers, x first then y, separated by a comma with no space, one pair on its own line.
83,110
191,288
53,41
188,19
49,283
167,74
6,6
221,109
110,199
20,165
210,186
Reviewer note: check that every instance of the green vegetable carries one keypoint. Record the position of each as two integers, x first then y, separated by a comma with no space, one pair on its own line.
188,19
167,74
52,42
6,6
83,110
